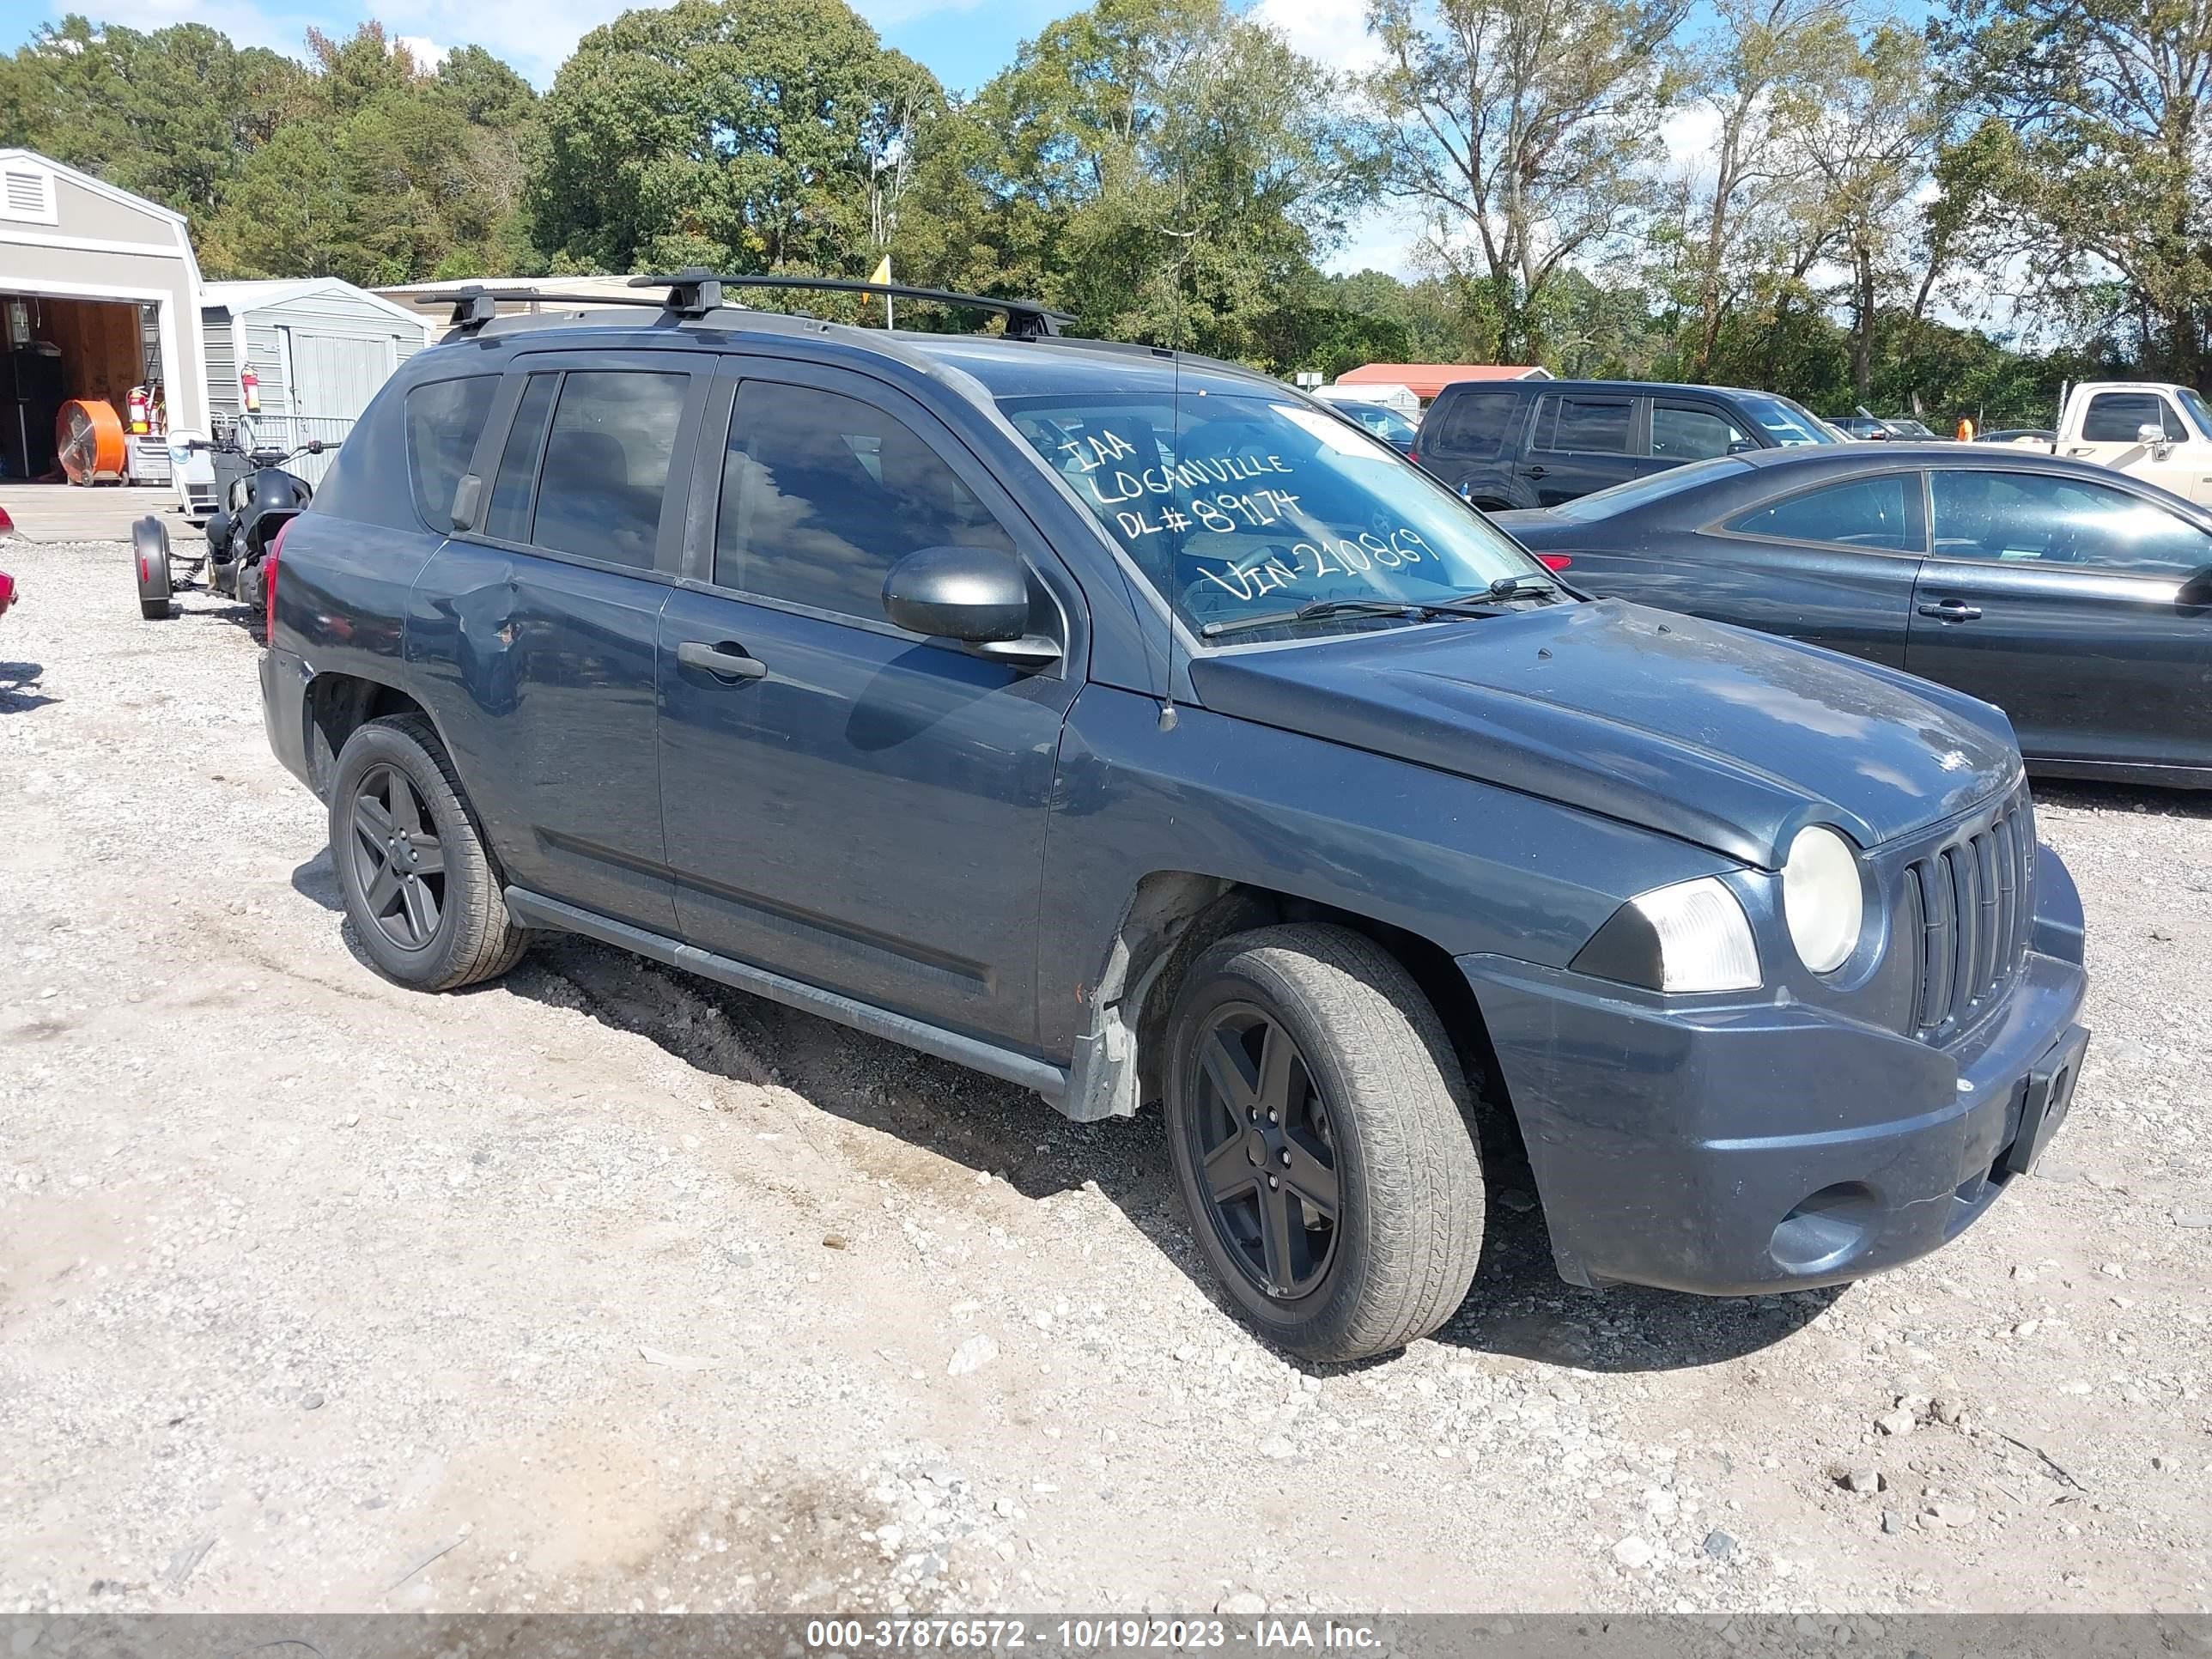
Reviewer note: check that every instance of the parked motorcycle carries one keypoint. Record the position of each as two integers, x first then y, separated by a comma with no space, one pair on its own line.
259,497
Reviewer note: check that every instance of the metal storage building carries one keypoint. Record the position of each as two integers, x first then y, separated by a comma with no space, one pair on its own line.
318,346
99,293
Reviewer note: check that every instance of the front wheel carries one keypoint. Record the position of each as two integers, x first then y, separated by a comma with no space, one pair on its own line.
1314,1115
418,884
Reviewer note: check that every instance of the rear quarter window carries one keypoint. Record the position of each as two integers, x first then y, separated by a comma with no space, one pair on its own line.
1472,425
444,420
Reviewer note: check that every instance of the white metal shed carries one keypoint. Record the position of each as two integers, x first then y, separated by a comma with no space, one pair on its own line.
99,293
318,346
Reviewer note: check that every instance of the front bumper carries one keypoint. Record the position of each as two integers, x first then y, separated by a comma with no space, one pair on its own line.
1729,1151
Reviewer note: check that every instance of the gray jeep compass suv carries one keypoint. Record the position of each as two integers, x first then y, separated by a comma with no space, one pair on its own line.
1121,723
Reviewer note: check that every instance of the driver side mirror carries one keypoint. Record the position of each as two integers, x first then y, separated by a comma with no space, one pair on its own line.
2195,588
973,595
2152,436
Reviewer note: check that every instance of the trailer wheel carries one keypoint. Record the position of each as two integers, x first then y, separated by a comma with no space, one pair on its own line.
149,560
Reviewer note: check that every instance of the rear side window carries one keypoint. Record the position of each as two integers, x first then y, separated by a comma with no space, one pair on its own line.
1473,425
1872,513
444,420
2113,417
1583,426
606,464
822,494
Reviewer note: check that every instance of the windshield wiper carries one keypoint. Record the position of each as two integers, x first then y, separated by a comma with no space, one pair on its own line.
1514,587
1313,612
1503,590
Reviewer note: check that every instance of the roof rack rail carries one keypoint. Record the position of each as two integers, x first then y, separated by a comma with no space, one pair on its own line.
693,292
473,307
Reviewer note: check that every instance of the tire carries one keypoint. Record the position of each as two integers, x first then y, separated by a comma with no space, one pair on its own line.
1390,1134
397,767
150,560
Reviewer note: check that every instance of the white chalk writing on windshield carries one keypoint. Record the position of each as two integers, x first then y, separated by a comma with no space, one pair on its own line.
1331,556
1183,499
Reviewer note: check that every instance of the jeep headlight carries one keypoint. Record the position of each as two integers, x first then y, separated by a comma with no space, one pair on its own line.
1823,899
1690,936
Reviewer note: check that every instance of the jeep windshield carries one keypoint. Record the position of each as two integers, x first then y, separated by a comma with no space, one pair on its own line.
1245,508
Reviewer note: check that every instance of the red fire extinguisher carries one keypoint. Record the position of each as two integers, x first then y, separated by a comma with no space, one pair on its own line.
249,385
138,405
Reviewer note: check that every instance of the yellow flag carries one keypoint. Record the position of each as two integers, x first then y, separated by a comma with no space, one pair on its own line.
883,270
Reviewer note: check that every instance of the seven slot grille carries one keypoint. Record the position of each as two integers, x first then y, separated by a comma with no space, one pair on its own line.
1971,903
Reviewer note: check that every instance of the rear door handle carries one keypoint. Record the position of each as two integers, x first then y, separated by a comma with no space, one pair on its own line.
725,661
1534,471
1951,610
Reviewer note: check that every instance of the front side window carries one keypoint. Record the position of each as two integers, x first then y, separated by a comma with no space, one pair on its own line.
1873,512
822,494
1583,426
1238,508
2113,417
1692,432
1787,424
445,418
606,464
2009,517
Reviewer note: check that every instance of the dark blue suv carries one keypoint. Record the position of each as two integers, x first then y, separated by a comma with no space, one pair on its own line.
1121,723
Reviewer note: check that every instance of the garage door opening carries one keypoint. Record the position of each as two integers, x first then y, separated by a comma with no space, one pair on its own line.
56,352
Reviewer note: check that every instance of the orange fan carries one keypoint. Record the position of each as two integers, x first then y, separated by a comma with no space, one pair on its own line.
90,439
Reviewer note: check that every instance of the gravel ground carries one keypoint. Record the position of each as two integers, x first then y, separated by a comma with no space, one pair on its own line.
605,1288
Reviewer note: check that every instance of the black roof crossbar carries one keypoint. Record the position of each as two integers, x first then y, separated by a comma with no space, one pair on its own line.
1026,320
475,306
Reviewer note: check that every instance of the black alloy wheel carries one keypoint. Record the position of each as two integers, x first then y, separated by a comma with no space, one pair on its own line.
399,864
1262,1139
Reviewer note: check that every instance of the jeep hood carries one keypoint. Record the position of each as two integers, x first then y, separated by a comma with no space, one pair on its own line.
1729,738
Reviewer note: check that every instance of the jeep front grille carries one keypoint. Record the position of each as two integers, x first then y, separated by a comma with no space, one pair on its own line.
1970,903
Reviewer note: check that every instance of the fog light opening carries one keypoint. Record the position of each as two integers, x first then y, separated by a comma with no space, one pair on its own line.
1826,1231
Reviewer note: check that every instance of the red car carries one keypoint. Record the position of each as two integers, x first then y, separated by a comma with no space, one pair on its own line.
7,592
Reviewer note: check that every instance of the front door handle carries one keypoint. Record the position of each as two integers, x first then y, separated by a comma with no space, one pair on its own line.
725,660
1951,610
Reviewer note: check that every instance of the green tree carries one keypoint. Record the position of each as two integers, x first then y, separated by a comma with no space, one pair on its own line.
1526,132
383,176
1870,129
733,133
2089,175
170,116
1738,73
1168,170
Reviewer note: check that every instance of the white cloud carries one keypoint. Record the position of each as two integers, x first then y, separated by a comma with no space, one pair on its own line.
427,54
1332,33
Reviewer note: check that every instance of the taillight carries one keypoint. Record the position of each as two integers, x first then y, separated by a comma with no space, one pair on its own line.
1554,561
268,579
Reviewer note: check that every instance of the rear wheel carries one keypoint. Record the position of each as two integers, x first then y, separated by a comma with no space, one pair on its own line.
418,885
1314,1116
